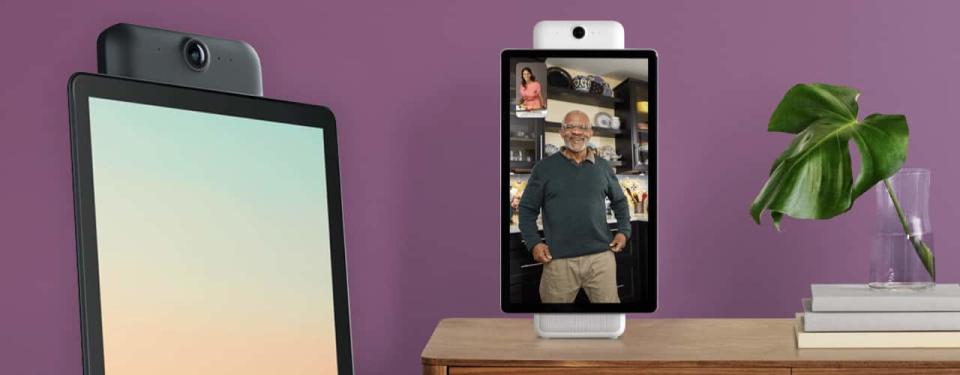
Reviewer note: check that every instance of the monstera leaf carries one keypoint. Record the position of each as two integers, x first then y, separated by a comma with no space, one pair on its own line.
813,178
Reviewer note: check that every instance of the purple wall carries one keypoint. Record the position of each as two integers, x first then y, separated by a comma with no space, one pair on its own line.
415,90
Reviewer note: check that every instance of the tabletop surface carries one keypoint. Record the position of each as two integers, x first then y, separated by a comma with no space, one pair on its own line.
657,342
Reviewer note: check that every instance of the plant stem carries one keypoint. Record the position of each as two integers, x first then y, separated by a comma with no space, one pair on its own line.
923,251
896,205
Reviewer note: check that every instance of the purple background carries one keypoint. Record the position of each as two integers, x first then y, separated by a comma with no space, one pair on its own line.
415,90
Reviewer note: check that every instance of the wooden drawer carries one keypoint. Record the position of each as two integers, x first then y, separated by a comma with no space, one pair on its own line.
875,371
613,371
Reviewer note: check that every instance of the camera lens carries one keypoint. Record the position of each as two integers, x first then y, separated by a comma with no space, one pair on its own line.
579,32
196,55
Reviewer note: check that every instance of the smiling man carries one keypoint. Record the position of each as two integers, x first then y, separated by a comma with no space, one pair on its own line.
569,188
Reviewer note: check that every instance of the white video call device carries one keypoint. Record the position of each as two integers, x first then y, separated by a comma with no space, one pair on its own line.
579,35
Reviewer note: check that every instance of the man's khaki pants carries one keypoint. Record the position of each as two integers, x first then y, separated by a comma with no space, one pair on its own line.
595,273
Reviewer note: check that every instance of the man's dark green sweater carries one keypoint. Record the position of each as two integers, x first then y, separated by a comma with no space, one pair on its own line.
574,213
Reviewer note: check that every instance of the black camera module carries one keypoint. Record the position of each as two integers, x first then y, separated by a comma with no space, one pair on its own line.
579,32
196,54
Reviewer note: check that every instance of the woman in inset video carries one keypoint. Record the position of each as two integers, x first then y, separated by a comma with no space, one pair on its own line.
530,96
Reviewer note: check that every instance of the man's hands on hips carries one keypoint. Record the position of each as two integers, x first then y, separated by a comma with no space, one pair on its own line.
541,253
619,242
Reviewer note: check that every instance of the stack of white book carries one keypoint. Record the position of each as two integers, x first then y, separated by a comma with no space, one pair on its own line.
857,316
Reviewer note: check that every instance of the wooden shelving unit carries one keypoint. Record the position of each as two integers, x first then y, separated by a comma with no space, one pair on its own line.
574,96
635,159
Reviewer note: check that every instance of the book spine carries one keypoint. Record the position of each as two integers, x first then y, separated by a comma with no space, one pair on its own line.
853,322
806,340
837,304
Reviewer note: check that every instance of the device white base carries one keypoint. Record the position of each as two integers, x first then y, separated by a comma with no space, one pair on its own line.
555,326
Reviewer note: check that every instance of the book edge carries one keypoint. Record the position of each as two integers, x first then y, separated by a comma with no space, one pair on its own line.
905,339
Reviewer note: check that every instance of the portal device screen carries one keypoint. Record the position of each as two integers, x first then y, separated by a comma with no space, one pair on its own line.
580,167
213,243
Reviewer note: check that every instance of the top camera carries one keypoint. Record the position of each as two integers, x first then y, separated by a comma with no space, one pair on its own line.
579,32
196,54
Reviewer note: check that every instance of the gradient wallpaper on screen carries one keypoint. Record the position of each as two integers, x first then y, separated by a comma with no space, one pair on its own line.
213,241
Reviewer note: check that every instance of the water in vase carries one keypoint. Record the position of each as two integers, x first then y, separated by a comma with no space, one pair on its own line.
894,262
903,203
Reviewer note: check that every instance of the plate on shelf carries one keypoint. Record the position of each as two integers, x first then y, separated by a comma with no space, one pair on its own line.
603,120
609,153
582,83
558,77
599,86
550,149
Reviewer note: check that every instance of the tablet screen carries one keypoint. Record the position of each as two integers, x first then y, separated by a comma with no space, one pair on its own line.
213,243
579,172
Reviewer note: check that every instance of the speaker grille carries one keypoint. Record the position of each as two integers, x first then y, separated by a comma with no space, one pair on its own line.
570,323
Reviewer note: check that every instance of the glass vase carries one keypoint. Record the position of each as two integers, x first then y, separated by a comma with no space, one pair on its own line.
904,235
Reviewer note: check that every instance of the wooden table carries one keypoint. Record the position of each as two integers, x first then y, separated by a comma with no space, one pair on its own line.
662,346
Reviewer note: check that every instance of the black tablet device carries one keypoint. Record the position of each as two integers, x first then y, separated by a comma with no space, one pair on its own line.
209,232
578,181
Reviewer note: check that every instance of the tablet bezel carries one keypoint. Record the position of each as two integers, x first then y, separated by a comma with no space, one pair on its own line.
82,86
648,305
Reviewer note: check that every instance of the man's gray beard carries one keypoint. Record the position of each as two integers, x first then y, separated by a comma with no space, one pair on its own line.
567,145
